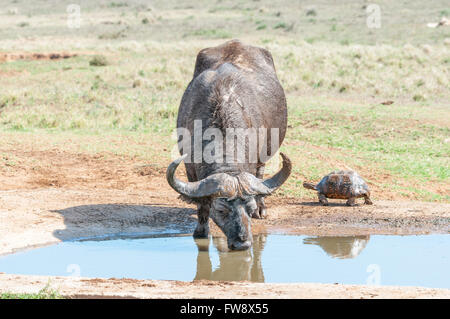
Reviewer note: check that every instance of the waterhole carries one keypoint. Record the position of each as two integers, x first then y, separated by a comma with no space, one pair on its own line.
374,260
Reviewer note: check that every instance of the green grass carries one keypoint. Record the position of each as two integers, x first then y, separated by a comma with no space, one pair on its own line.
210,34
375,139
85,96
98,60
397,139
400,23
44,293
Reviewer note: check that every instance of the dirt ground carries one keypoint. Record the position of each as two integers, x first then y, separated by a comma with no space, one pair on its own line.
67,196
14,56
131,288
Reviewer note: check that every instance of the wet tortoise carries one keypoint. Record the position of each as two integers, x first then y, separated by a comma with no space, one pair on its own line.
341,185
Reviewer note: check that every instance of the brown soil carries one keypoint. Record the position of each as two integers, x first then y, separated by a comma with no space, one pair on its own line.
7,57
51,195
129,288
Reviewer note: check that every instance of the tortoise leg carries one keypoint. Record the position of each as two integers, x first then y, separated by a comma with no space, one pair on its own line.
322,199
367,200
351,201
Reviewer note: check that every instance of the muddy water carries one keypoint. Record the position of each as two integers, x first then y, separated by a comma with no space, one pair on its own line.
379,260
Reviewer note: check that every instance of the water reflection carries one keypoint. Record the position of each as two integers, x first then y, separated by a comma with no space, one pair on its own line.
233,265
340,247
405,260
246,265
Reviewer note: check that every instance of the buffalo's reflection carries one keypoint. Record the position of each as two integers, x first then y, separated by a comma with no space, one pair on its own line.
246,265
234,265
340,247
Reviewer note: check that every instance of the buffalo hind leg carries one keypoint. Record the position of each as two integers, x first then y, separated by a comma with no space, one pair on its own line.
261,211
202,229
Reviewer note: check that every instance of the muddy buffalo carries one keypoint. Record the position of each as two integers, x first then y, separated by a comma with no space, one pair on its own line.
234,97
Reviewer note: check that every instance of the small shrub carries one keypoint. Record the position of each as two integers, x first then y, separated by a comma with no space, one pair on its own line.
419,98
420,83
311,12
280,25
343,89
317,84
13,11
118,4
290,27
98,83
112,35
211,33
7,100
98,60
137,83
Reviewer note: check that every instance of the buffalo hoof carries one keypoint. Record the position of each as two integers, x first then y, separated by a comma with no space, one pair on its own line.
260,212
202,231
241,245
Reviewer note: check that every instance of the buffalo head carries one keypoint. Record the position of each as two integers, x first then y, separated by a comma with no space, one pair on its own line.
232,198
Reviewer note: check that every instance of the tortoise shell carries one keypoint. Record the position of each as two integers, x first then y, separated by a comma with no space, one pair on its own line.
343,185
